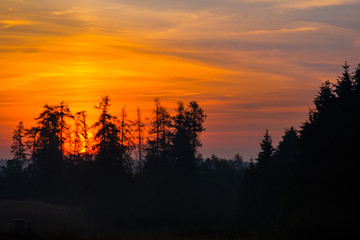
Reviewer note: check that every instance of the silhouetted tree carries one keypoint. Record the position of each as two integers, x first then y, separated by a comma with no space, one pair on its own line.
323,101
356,79
84,132
159,146
77,143
15,177
287,153
111,170
344,86
328,142
266,155
238,163
139,125
48,158
247,203
282,184
18,148
31,143
257,198
219,185
182,140
356,93
126,138
14,166
195,116
63,112
252,165
110,152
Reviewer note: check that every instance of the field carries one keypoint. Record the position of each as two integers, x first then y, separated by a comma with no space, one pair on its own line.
47,221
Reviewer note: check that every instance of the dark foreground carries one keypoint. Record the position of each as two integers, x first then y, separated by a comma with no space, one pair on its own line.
44,221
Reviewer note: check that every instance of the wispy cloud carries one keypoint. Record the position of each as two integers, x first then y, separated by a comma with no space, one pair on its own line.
12,23
305,4
64,12
275,31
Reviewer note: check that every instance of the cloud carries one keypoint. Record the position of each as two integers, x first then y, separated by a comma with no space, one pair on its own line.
184,5
12,23
305,4
276,31
63,12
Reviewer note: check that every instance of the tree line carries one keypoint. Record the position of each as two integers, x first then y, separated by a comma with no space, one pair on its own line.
52,140
308,183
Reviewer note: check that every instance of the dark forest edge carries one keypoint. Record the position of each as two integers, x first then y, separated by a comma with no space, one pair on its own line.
125,179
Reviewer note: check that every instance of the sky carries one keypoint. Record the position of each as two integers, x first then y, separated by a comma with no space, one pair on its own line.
251,64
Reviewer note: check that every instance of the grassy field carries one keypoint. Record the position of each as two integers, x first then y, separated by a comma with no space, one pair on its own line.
43,218
46,221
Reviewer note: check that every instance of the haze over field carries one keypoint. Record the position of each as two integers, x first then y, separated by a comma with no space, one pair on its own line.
251,64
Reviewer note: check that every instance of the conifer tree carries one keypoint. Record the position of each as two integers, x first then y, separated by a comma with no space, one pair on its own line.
324,100
63,112
196,117
356,79
288,151
139,132
247,205
15,166
329,163
265,156
238,162
182,136
18,146
31,143
126,138
77,143
84,132
344,85
48,156
159,148
110,154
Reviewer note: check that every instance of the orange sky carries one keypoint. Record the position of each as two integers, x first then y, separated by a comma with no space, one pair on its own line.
251,64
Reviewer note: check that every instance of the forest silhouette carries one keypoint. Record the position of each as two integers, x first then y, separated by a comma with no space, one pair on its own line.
128,176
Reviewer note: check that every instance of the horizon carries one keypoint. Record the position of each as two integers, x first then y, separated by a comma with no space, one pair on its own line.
252,65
